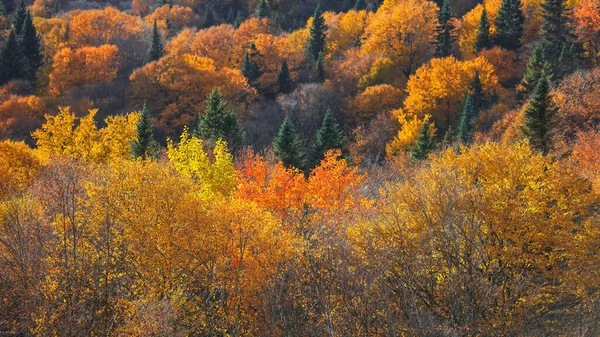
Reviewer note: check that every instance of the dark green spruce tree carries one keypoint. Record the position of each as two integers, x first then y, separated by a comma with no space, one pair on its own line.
424,144
468,114
540,115
284,80
316,40
249,67
144,144
536,66
510,25
443,46
156,50
12,61
477,94
556,35
484,41
320,68
218,122
9,6
209,18
32,47
360,5
19,18
263,10
329,136
287,146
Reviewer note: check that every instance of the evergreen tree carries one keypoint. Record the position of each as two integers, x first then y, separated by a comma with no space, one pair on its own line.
468,114
555,32
509,25
231,14
443,46
484,40
320,68
263,10
536,66
284,79
2,9
32,47
142,146
12,65
329,136
9,6
218,122
478,96
169,25
424,144
156,51
209,18
540,117
19,19
568,60
250,68
316,40
360,5
287,146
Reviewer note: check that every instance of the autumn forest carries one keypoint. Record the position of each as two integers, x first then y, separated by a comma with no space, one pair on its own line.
232,168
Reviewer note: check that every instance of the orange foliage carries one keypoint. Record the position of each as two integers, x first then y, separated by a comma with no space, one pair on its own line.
87,65
505,63
586,157
344,31
374,100
18,114
179,17
587,16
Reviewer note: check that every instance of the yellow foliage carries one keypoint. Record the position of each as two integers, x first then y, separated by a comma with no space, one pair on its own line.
410,129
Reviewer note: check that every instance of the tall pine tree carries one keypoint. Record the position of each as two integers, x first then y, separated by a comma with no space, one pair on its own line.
287,146
284,80
540,117
12,60
329,136
32,47
9,6
142,146
424,144
468,114
320,68
218,122
443,46
19,18
555,33
509,25
156,50
484,41
316,40
536,66
250,68
360,5
263,10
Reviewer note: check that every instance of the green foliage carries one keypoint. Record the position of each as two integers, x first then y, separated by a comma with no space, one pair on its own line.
287,146
329,136
143,146
250,68
316,40
509,25
360,5
218,122
284,80
536,66
484,41
424,144
555,33
443,46
263,10
32,47
19,18
320,68
468,114
12,63
8,6
540,117
209,18
156,51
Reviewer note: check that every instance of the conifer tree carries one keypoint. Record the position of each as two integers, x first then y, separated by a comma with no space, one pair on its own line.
360,5
478,96
316,40
329,136
443,46
536,66
231,14
540,117
250,68
2,10
156,51
509,25
209,18
19,18
424,144
484,40
142,146
287,146
468,114
568,60
320,68
263,10
218,122
284,80
31,46
555,31
12,63
169,25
